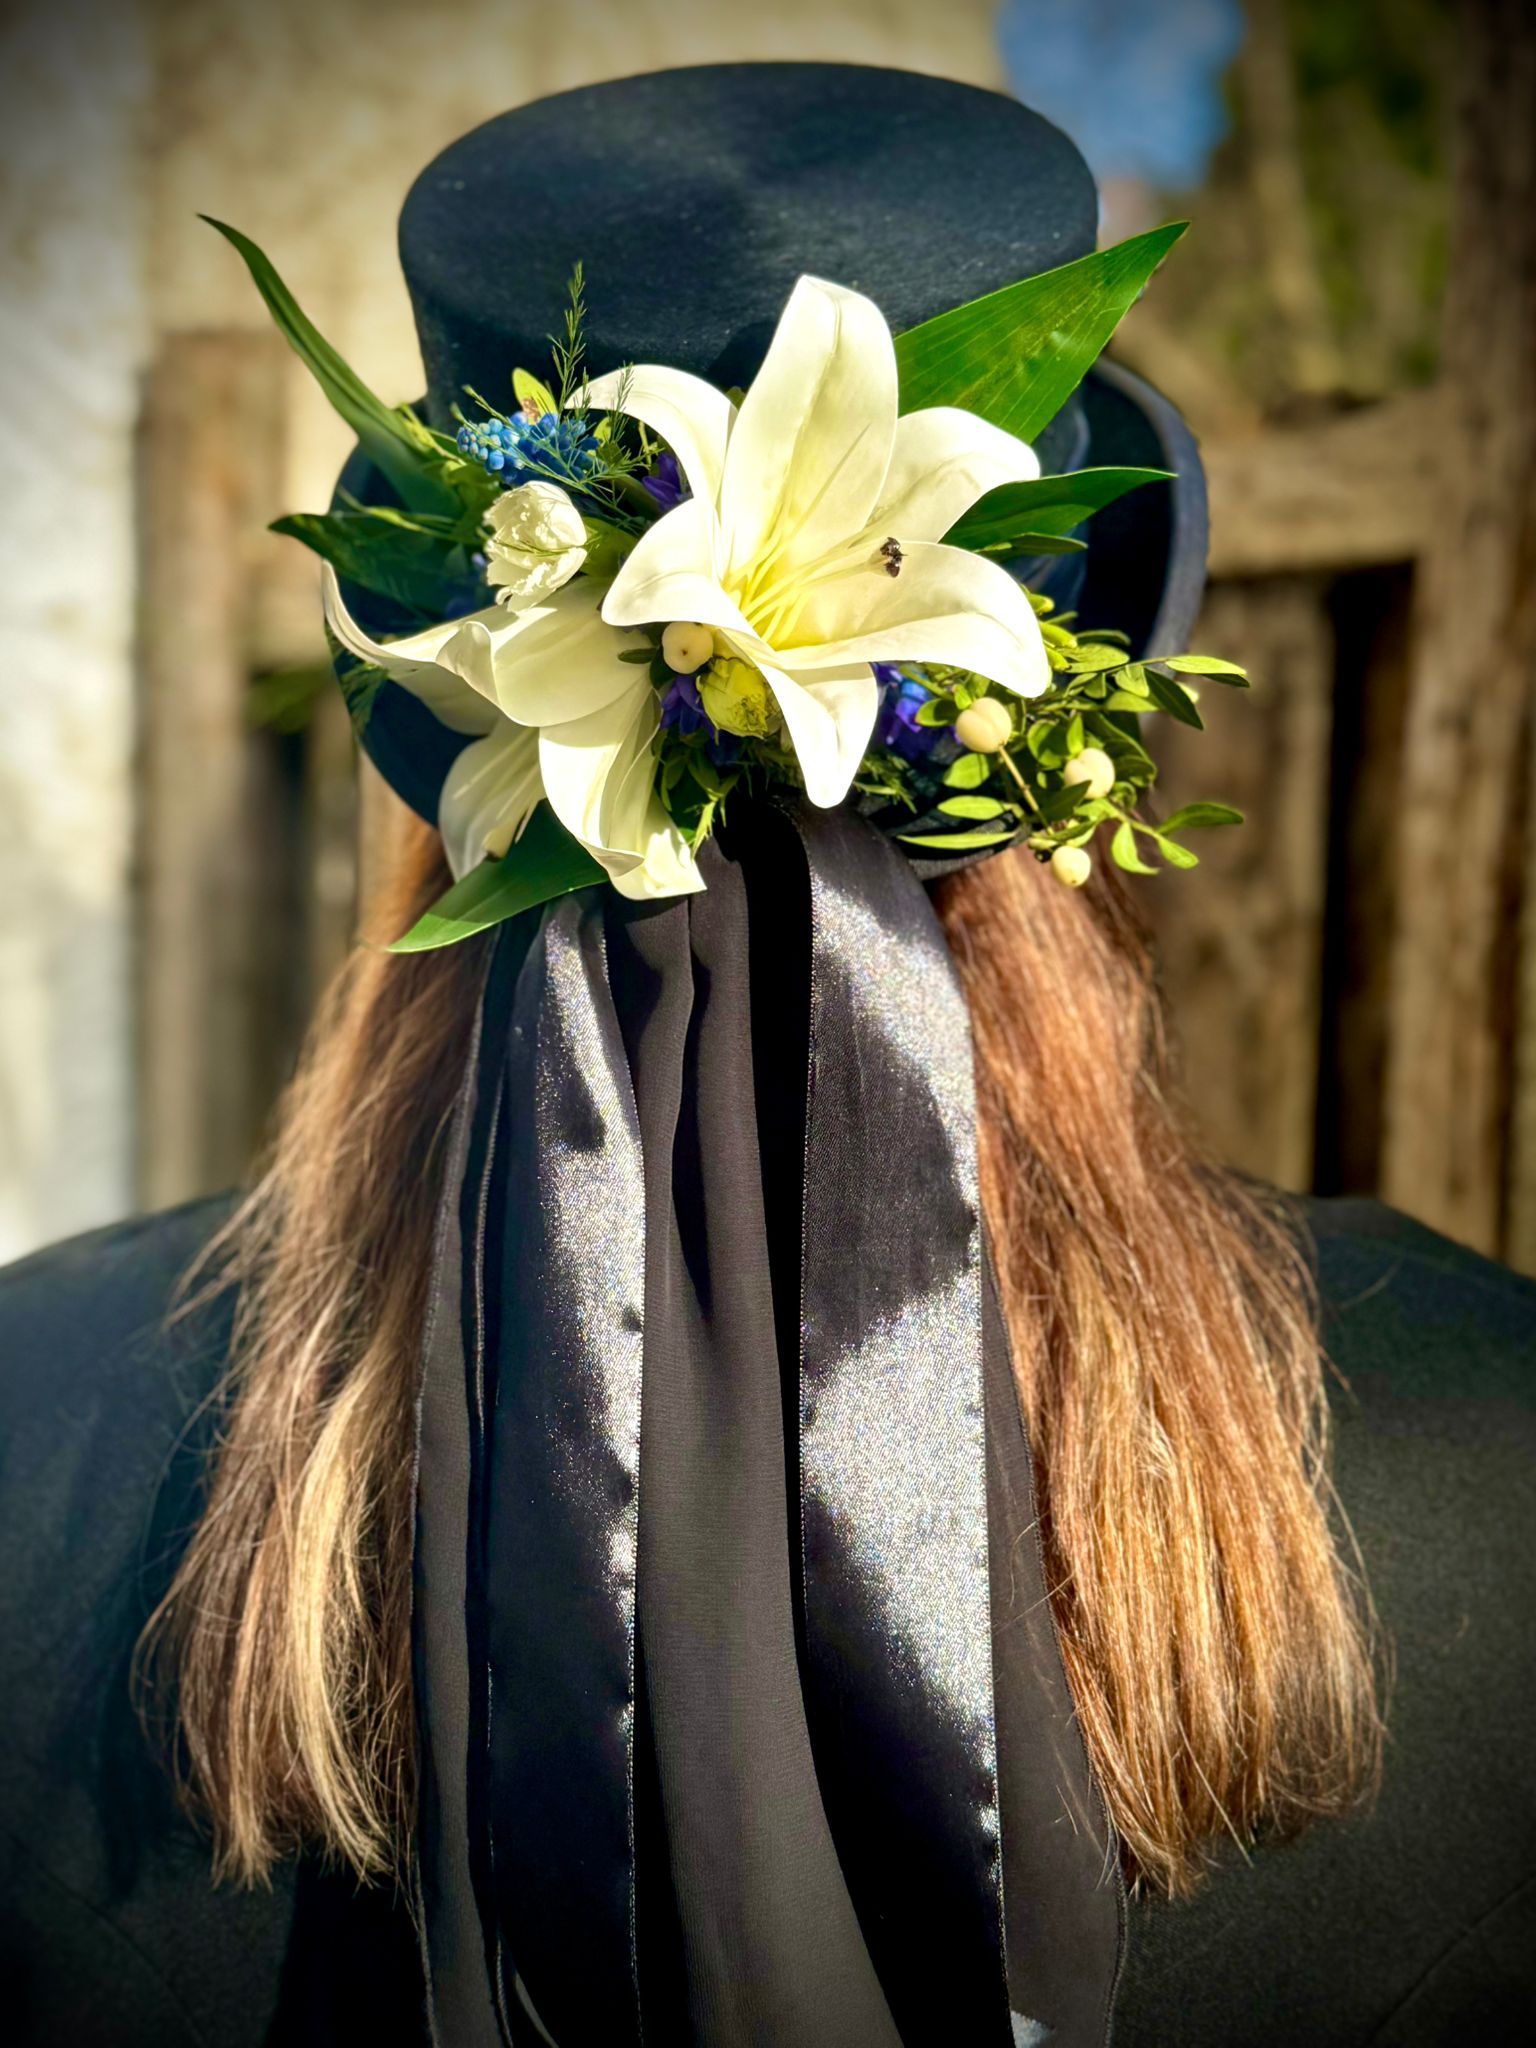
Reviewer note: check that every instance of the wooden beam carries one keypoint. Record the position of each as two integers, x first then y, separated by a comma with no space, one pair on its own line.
212,993
1473,670
1241,941
1350,492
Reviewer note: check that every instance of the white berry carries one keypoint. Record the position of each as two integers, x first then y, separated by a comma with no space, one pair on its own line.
1093,767
685,648
985,727
1071,866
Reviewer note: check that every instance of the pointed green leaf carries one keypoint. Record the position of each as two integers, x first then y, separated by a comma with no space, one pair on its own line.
1047,504
937,711
969,772
1057,804
545,863
1017,355
407,452
533,396
424,571
953,842
1204,665
1124,853
981,808
1176,856
1174,699
1190,816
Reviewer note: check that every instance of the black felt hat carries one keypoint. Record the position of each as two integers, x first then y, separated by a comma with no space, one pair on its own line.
693,201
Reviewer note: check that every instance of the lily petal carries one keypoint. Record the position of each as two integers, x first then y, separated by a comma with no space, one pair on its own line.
812,441
560,659
829,718
669,867
670,574
429,664
692,417
489,795
943,461
599,774
945,606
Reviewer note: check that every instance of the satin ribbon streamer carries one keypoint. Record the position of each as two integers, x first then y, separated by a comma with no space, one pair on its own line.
528,1703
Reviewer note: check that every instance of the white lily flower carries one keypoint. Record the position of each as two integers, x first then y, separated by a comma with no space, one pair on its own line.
537,542
812,544
812,547
560,717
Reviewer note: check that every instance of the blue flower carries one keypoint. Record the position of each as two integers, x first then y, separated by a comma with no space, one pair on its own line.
515,450
896,727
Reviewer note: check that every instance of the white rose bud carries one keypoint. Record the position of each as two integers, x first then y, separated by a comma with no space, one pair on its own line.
985,727
686,648
1071,866
1093,767
538,542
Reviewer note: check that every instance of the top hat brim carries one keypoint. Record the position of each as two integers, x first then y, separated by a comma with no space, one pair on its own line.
1143,572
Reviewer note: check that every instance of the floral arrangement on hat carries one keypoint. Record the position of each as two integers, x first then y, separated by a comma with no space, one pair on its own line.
639,595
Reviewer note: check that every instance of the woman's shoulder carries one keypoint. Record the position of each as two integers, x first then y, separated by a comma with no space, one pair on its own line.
103,1378
1413,1923
110,1929
1408,1307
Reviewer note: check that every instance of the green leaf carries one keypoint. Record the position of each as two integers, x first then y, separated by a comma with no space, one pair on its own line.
1204,665
1046,505
1190,816
421,570
1087,659
1046,739
1017,355
408,453
545,863
1176,856
1057,804
532,395
954,842
284,700
981,808
1174,699
607,547
1033,544
937,711
969,772
1124,853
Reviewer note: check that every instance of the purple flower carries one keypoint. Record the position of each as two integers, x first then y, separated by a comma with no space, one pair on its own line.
682,707
665,483
896,727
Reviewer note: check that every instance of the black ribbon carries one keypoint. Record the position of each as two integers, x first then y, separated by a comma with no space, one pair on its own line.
706,1615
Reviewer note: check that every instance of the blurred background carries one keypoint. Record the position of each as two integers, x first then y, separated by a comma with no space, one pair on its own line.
185,836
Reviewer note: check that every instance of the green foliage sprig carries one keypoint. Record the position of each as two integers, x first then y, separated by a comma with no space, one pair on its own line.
1027,789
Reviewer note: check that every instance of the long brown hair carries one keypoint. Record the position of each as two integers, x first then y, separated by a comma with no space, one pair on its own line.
1165,1350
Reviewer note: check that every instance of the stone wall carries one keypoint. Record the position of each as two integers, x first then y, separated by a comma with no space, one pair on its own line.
302,121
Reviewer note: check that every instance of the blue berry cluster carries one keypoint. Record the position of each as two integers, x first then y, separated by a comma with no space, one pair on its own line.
516,449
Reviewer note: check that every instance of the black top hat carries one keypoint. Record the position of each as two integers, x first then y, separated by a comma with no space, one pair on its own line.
693,200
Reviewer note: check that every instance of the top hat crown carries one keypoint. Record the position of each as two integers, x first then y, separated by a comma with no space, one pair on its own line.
694,199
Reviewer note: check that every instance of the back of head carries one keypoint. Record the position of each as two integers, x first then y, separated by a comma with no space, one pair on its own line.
1163,1341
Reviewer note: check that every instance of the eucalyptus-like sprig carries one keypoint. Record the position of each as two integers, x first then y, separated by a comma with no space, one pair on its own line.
1053,769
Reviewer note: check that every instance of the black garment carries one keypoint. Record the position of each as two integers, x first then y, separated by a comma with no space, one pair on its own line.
1413,1925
